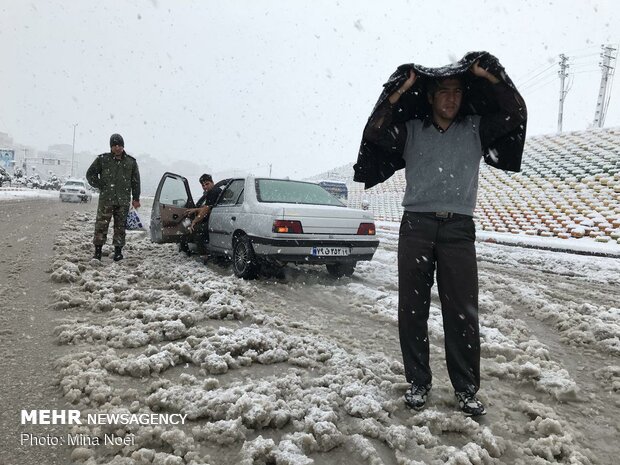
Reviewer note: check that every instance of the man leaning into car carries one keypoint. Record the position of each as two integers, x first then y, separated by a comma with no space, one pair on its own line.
116,176
199,224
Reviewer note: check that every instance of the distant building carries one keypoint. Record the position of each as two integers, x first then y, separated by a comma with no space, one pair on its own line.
62,149
6,141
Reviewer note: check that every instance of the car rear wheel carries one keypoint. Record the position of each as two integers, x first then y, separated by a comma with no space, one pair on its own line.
244,261
338,270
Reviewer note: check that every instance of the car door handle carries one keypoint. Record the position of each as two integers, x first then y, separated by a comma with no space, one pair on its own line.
234,218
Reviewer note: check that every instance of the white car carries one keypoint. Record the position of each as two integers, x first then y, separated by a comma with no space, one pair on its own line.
75,190
264,221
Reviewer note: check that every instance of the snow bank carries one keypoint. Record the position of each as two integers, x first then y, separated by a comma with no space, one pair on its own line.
161,333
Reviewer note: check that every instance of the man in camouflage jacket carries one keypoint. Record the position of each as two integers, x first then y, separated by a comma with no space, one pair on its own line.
116,176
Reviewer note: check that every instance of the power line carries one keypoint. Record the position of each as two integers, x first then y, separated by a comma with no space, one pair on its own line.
575,53
586,67
541,83
537,87
586,71
580,63
534,83
588,55
579,50
534,86
537,74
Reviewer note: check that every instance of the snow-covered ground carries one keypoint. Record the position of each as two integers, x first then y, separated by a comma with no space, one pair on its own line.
13,193
307,369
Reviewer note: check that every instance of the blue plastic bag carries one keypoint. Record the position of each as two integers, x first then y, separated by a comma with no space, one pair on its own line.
133,220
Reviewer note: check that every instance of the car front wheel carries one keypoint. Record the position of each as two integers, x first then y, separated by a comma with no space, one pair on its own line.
338,270
244,261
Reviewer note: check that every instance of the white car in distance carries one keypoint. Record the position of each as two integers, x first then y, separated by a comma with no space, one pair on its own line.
75,190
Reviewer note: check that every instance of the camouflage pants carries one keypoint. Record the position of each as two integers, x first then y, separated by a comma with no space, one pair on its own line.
104,214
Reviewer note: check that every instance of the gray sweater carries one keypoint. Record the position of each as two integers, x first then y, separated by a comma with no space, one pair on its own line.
442,167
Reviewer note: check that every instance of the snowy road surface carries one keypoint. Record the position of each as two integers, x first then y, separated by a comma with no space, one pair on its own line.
307,369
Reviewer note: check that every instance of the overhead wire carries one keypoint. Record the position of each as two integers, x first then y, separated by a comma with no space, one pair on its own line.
571,54
594,49
537,74
586,71
579,63
537,85
541,81
584,56
584,63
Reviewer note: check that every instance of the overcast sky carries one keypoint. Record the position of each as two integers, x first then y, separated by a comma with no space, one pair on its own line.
245,84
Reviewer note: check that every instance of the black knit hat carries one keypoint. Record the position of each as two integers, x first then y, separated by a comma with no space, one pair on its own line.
116,139
205,177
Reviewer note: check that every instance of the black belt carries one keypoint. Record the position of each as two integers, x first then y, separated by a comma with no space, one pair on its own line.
440,215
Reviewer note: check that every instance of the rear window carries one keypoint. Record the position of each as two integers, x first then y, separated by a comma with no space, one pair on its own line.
74,184
283,191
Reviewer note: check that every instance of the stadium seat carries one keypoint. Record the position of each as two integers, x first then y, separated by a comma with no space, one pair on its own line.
569,186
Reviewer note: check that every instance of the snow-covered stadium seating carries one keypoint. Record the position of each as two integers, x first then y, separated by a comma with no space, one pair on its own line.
569,186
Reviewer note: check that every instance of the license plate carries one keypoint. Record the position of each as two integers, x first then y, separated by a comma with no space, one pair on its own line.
330,251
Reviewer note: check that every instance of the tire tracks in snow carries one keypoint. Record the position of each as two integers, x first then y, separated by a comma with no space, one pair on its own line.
26,341
597,409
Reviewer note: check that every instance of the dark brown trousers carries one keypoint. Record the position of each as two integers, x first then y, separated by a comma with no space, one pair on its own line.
428,243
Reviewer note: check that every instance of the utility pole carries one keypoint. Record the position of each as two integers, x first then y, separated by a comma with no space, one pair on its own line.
73,149
269,169
563,74
607,70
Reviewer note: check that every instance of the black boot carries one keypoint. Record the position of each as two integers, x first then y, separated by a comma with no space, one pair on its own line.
118,255
97,255
183,247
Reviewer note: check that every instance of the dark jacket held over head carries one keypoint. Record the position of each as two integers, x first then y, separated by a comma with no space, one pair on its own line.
503,141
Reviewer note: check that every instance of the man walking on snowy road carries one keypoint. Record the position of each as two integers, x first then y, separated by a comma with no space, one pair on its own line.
116,176
441,149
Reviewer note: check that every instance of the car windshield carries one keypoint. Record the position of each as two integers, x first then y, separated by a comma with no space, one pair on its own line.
74,183
283,191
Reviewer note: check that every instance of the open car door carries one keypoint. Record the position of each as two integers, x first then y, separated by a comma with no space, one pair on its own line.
172,199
